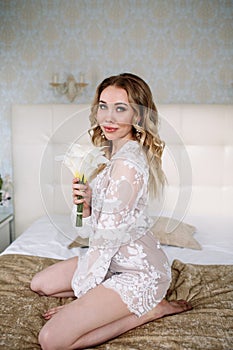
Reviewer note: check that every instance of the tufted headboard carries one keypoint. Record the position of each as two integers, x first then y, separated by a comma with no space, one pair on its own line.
198,159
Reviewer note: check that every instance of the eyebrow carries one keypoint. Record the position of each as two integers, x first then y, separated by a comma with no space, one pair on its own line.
117,103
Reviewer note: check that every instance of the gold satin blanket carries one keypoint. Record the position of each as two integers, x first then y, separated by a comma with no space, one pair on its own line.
208,326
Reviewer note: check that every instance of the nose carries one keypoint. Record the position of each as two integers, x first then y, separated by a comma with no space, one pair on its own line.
108,120
110,115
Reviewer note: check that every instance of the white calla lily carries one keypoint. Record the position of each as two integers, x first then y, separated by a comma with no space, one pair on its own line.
82,161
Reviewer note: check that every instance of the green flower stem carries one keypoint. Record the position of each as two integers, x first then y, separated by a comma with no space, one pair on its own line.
79,213
79,217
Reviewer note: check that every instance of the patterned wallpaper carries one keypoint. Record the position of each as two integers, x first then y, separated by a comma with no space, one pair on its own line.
182,48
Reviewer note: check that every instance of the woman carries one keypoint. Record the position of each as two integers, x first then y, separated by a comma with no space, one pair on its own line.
122,279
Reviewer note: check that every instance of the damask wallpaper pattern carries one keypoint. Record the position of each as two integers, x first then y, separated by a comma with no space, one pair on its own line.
182,48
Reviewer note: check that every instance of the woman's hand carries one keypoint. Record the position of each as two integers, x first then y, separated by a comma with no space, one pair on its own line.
85,192
50,313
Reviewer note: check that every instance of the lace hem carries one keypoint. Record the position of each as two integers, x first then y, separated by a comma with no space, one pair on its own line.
140,297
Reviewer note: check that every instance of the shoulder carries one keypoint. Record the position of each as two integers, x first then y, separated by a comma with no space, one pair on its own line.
132,156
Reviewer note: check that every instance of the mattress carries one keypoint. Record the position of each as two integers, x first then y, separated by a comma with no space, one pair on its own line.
51,236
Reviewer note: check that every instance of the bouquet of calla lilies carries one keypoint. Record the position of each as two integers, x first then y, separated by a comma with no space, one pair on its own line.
82,161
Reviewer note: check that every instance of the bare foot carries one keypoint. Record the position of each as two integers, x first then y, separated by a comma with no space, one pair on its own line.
165,308
177,306
50,313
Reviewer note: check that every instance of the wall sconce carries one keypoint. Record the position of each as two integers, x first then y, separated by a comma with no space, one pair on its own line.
71,88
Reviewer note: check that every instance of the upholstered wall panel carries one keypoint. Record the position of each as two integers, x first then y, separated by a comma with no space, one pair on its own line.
199,171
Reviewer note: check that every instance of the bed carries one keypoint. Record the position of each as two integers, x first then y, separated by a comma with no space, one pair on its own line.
193,221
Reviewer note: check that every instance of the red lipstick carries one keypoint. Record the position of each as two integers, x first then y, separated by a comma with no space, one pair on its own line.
109,129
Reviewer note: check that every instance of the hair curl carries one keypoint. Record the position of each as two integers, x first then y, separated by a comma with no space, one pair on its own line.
145,123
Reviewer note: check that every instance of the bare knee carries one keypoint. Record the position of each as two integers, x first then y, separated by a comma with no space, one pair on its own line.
50,341
36,285
46,340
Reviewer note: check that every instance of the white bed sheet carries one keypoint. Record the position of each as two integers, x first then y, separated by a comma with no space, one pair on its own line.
50,237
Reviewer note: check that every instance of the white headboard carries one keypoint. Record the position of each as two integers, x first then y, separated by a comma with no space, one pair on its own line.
198,159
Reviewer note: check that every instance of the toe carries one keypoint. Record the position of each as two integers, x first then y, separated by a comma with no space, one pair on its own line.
185,304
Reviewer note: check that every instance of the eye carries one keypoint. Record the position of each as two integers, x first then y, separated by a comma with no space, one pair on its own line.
121,109
102,106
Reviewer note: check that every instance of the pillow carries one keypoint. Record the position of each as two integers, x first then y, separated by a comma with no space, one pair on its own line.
79,242
175,233
168,231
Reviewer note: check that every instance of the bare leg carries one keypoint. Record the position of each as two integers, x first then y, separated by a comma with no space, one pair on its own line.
114,329
96,317
55,280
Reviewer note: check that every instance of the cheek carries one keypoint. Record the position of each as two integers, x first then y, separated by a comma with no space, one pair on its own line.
128,122
99,118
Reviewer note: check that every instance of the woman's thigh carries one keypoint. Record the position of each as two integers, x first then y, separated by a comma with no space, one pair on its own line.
98,307
56,279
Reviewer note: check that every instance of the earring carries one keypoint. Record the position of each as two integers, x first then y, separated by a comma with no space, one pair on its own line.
138,135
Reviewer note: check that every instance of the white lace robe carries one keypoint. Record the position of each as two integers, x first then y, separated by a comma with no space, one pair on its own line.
122,254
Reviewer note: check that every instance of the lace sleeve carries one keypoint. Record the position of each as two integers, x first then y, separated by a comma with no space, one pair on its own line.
116,214
116,205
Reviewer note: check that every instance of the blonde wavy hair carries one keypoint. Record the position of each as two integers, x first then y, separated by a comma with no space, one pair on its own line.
145,124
